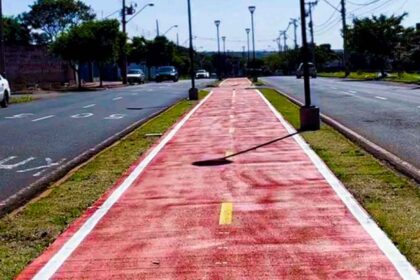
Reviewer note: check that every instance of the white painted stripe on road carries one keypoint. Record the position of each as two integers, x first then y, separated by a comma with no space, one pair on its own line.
352,91
43,118
348,93
117,98
51,267
381,98
89,106
136,93
400,262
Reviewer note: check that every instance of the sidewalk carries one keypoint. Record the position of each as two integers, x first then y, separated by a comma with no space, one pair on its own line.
275,212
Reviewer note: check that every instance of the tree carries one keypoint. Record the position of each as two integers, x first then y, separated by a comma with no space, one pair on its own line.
137,50
15,33
56,16
377,39
93,41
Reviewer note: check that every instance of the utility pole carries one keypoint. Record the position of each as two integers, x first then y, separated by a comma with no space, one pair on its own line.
124,54
193,92
284,34
157,28
247,30
294,22
311,28
224,44
2,56
345,53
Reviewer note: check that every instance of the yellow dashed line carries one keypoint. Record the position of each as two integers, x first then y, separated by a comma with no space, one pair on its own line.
226,213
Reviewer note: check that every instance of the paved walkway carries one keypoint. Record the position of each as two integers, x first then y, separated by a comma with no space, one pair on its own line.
274,212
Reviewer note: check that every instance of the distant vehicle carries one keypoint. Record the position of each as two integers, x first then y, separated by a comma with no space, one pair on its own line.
135,76
312,71
167,73
202,74
4,92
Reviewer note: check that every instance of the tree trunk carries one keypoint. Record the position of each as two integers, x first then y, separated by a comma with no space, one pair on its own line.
101,72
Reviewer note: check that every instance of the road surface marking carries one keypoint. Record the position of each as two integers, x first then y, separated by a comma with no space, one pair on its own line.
5,166
117,98
42,168
232,130
226,214
43,118
56,261
89,106
136,93
20,116
404,268
82,116
381,98
150,90
115,117
352,91
348,93
229,153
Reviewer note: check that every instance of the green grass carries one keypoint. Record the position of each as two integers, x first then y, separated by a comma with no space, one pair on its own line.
391,199
21,99
410,78
27,233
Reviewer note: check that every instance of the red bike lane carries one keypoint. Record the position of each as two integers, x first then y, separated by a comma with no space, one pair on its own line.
269,212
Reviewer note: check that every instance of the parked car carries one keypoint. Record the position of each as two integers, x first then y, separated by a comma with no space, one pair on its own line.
202,74
312,71
4,92
135,76
167,73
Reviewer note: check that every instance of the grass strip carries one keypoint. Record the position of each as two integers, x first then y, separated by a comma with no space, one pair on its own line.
25,234
391,199
21,99
408,78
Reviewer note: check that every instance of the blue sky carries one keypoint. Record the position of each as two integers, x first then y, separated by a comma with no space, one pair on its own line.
270,17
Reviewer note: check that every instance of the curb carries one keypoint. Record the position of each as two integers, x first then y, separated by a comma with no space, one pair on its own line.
400,165
29,192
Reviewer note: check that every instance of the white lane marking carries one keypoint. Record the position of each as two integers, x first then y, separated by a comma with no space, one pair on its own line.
89,106
400,262
334,88
43,118
115,117
149,90
20,116
348,93
5,166
82,116
117,98
352,91
381,98
51,267
136,93
42,168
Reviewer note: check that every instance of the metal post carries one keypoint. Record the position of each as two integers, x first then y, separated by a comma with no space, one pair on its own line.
124,54
2,48
295,23
247,35
193,92
252,10
311,28
224,44
345,53
218,61
309,115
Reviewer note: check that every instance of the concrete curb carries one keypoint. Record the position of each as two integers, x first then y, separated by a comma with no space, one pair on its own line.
29,192
400,165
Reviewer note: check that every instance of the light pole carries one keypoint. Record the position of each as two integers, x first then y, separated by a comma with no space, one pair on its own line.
247,30
124,24
309,114
224,44
169,29
193,92
252,10
2,58
217,23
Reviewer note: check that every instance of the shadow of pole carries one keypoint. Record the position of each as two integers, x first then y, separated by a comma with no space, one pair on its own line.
225,160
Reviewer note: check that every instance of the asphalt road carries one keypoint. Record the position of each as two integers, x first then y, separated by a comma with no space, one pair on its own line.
387,114
38,137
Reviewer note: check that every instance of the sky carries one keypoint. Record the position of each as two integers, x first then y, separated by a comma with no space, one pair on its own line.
271,16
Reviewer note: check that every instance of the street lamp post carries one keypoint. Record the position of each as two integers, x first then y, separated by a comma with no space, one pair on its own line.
217,23
169,29
247,30
193,92
252,10
309,114
224,44
2,56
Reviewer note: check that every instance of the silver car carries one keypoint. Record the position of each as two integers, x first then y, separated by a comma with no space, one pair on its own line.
4,92
312,71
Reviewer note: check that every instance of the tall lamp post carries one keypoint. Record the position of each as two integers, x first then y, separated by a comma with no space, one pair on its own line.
2,58
193,92
217,23
224,44
309,114
124,24
252,10
247,30
169,29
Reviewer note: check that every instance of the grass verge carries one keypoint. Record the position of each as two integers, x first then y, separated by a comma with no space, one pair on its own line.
408,78
391,199
21,99
28,232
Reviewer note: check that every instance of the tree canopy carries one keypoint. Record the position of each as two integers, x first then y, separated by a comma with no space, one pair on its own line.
15,33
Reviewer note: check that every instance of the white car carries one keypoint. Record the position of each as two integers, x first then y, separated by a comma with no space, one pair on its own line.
4,92
202,74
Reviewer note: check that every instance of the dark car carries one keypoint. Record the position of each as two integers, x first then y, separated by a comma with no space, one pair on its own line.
312,71
135,76
167,73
